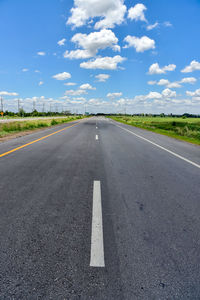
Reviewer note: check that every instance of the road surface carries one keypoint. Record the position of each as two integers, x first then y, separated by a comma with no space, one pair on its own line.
95,209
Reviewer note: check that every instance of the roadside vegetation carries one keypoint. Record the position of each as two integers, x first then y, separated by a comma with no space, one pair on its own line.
183,128
23,114
17,126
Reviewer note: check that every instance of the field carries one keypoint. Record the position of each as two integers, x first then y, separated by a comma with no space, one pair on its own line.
14,127
187,129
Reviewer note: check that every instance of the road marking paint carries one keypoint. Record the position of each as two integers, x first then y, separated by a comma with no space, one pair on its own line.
35,141
167,150
97,247
97,137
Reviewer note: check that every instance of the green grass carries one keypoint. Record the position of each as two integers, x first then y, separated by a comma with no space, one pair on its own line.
186,129
18,126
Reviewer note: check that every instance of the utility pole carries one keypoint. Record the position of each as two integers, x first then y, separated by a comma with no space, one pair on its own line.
18,104
43,107
1,104
50,107
33,105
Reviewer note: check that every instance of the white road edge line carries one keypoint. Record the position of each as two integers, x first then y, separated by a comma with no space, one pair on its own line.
169,151
97,137
97,247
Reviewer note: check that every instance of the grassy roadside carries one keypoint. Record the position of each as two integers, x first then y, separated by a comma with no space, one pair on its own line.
11,128
183,129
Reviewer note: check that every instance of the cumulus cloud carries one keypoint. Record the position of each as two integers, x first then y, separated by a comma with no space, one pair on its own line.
77,54
152,26
190,80
163,82
76,92
62,76
41,53
102,77
137,12
152,82
155,69
175,84
24,70
193,66
140,44
114,95
87,86
193,94
91,43
168,93
110,12
153,95
40,83
61,42
4,93
70,83
104,63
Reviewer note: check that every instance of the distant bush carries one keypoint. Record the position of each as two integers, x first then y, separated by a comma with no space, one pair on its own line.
54,122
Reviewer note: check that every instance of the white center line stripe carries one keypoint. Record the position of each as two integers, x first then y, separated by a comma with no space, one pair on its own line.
97,137
97,247
169,151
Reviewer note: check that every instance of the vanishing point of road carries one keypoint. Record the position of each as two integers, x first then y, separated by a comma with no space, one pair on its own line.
95,209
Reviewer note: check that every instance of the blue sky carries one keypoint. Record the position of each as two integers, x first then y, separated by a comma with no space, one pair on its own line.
140,56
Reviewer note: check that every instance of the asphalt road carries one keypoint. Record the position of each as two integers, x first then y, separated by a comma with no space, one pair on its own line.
99,210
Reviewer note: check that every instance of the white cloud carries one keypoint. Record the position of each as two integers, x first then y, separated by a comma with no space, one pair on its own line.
87,86
190,80
24,70
110,12
91,43
155,69
62,76
40,83
4,93
70,83
104,63
114,95
152,82
41,53
152,26
102,77
193,94
194,66
137,12
169,67
153,95
77,54
140,44
167,24
174,85
163,82
168,93
61,42
37,71
75,92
